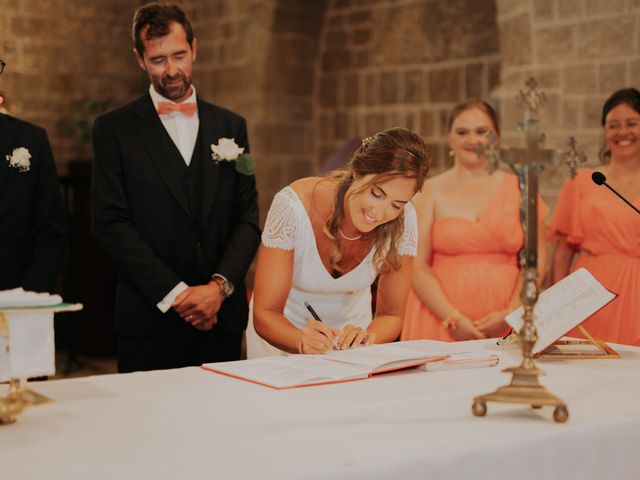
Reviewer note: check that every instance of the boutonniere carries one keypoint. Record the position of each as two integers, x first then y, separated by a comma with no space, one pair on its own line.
20,159
227,150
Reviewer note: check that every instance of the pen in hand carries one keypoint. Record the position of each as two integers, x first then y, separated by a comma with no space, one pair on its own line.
312,311
317,317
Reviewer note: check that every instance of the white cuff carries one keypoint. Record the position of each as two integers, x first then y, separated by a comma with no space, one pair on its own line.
165,304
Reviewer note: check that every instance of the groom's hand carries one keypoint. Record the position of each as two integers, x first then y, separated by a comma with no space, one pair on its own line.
199,305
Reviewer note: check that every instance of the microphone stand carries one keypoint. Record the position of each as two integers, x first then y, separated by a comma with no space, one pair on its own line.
599,179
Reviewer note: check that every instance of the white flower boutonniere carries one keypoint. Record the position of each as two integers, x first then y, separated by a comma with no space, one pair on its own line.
227,150
20,159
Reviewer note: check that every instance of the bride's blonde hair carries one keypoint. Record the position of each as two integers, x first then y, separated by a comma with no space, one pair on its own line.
392,153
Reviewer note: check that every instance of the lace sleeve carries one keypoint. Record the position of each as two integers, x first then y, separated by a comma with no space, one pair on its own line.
280,229
409,241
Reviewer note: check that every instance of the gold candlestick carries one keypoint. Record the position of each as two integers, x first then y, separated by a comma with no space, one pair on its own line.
13,404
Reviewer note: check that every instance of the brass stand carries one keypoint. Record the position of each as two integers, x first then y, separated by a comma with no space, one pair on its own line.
17,400
13,404
524,387
552,351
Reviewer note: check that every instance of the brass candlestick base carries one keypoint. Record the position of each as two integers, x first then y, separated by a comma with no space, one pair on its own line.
18,399
13,404
524,388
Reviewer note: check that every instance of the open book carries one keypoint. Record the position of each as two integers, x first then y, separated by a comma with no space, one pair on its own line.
332,367
564,306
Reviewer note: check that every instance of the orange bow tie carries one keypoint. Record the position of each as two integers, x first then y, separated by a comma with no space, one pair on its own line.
188,109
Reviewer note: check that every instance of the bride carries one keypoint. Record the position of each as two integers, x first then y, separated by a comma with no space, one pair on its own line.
327,239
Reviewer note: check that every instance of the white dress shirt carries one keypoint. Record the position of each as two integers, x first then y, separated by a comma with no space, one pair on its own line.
183,130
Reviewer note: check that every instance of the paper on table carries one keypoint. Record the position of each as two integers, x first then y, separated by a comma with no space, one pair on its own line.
31,342
564,306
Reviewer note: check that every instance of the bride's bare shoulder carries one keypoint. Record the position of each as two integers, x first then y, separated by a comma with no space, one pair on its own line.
314,191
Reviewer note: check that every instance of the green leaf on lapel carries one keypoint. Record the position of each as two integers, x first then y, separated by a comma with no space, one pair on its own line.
245,164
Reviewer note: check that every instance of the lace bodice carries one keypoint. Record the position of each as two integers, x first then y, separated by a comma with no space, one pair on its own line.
338,301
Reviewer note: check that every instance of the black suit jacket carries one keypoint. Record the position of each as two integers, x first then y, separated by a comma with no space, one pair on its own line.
142,218
32,218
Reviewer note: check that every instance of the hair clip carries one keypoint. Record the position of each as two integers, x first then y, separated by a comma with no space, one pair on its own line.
367,141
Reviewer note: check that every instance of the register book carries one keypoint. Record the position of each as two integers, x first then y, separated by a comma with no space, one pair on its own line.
332,367
564,306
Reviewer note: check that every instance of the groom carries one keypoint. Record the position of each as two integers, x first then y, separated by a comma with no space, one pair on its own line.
180,226
32,217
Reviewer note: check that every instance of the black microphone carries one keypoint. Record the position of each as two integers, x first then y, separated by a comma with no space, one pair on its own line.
599,179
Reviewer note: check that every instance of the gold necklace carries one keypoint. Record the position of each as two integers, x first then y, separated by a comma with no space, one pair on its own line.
357,237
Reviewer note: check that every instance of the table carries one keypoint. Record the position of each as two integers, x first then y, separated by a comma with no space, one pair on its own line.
189,423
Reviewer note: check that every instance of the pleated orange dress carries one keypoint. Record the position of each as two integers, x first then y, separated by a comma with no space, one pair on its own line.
607,233
475,262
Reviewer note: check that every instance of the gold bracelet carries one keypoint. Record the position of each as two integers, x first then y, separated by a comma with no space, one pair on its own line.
451,320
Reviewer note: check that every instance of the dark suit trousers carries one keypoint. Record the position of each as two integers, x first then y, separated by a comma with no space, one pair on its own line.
163,351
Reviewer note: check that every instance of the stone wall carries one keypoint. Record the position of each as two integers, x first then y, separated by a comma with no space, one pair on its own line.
309,76
580,51
258,58
402,63
62,54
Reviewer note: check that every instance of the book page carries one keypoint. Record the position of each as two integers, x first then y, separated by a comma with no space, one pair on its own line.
291,371
464,360
377,356
564,306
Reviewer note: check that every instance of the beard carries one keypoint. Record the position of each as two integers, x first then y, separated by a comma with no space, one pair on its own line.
180,84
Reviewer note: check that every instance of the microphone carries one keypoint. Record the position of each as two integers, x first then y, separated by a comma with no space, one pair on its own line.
599,179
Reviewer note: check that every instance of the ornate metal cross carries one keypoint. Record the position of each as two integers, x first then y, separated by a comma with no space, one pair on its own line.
527,163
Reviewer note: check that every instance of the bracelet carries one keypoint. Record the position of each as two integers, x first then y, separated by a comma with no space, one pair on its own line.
451,320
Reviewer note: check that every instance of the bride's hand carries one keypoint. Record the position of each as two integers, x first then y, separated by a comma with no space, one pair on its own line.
354,337
317,337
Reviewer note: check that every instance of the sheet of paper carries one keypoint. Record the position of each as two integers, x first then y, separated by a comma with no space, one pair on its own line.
563,306
31,342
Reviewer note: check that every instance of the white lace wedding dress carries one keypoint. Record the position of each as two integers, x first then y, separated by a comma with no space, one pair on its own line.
337,301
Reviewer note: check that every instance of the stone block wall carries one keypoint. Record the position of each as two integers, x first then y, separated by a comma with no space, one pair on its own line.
311,75
62,54
401,63
580,51
258,58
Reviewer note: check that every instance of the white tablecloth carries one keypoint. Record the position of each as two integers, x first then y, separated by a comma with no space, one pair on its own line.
190,423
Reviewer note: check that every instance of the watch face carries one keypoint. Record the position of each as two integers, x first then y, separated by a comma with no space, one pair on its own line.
226,288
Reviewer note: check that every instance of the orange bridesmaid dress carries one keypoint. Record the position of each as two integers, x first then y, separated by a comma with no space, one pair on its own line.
476,263
606,232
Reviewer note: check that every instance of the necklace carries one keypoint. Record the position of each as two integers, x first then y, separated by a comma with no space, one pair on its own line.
357,237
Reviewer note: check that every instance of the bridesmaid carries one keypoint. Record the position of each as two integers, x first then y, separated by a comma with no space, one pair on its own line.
466,276
596,230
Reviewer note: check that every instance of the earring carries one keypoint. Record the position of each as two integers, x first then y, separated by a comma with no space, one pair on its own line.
452,153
